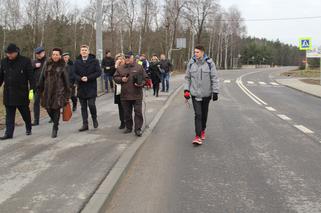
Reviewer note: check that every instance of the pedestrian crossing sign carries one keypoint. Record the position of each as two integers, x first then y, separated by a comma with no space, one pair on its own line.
305,44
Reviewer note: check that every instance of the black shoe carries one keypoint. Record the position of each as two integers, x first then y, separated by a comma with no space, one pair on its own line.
36,123
28,132
5,137
74,108
95,123
50,121
83,128
54,133
138,132
122,126
127,131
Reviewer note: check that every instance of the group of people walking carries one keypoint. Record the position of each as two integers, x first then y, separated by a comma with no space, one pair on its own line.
53,80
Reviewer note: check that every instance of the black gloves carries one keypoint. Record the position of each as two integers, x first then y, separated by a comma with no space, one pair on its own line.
215,96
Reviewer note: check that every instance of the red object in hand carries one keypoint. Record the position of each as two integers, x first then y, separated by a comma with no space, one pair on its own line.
149,84
187,95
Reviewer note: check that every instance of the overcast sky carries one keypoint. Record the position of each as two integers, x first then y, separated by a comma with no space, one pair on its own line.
286,31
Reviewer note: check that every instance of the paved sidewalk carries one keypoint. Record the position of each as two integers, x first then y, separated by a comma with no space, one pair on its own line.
297,84
41,174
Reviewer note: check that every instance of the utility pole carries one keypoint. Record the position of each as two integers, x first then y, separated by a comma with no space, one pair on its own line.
99,34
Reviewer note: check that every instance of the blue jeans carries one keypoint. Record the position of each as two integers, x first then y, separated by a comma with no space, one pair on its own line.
165,80
108,78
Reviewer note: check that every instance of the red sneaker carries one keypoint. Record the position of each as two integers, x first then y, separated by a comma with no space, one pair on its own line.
203,135
197,141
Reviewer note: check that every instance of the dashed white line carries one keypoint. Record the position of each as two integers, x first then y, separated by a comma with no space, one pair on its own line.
250,82
274,84
303,129
270,109
227,81
284,117
262,83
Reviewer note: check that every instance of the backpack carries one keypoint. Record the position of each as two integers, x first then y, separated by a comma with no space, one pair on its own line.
208,63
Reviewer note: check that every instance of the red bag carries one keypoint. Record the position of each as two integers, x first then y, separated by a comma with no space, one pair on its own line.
67,113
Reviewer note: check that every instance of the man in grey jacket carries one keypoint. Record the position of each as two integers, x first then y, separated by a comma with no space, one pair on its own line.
202,84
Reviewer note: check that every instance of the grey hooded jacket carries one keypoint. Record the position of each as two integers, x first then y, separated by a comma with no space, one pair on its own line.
201,78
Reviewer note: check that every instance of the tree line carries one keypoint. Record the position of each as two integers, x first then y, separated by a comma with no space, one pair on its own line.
143,26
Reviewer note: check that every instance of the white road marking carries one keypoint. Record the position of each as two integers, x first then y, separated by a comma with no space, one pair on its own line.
250,82
274,84
262,83
303,129
284,117
227,81
270,109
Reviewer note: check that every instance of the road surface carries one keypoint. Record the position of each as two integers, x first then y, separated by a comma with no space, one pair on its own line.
262,154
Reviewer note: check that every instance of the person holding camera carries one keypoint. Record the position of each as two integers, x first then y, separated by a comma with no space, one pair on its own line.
132,78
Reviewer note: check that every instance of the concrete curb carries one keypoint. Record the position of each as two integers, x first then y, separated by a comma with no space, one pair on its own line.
98,202
292,87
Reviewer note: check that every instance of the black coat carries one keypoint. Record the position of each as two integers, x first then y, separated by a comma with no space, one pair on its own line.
91,70
166,65
71,74
37,70
108,64
17,76
155,73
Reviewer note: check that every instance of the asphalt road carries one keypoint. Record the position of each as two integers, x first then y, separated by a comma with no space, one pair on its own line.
262,154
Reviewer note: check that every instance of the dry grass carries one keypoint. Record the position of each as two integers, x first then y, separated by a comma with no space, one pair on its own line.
311,81
312,73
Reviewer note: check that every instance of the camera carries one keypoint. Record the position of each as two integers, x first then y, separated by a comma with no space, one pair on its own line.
138,79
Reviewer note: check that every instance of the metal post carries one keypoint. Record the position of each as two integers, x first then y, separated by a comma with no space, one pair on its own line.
99,35
320,69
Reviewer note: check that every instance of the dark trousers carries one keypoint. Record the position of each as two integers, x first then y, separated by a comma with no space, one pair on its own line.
201,113
91,104
73,96
121,113
54,114
128,106
11,117
108,78
156,88
36,107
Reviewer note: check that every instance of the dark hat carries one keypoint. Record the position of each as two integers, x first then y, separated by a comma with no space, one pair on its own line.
12,48
129,54
66,53
39,50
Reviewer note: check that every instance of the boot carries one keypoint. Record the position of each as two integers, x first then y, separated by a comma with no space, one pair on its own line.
138,132
83,128
35,123
95,123
122,126
5,137
54,133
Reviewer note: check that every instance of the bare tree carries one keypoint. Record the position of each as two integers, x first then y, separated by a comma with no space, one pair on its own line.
128,7
173,10
198,11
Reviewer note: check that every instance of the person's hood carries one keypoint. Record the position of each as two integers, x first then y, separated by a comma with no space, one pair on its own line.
205,59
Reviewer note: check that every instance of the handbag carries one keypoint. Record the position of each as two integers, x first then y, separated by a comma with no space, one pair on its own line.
118,89
66,112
